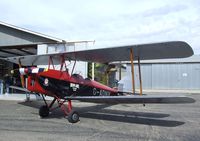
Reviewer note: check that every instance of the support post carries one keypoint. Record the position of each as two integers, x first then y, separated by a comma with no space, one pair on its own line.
27,94
51,63
93,67
140,77
73,67
120,71
132,70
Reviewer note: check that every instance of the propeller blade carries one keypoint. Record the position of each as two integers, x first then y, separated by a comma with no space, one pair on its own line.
21,76
22,81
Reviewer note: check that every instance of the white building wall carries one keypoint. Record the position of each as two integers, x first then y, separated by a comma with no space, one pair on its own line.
80,67
42,49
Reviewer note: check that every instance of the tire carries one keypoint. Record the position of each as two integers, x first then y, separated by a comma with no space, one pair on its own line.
44,111
95,92
73,117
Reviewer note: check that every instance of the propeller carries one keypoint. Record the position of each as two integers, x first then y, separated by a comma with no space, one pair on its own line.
27,71
21,75
20,71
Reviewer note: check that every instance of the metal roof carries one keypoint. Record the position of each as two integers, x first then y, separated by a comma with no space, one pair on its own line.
16,41
31,32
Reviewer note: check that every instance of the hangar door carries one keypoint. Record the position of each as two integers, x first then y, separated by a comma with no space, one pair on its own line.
176,76
166,76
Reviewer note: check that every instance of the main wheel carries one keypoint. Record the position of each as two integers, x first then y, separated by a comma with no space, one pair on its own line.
73,117
44,111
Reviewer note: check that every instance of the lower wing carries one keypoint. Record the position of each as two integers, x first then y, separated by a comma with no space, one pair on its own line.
134,99
19,88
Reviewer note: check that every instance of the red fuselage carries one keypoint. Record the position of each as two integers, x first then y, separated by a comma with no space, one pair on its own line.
61,83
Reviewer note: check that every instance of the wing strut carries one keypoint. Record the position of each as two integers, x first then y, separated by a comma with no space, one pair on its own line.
73,67
51,63
132,70
63,63
120,71
140,77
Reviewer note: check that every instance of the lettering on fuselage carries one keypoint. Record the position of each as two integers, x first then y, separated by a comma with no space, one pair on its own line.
74,87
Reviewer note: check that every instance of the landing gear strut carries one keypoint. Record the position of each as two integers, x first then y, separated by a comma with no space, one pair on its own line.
72,115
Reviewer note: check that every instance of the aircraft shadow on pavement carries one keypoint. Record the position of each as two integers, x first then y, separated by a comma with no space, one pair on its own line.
134,119
146,118
99,112
33,104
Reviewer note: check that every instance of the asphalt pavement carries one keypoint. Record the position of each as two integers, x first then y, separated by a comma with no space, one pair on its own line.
19,121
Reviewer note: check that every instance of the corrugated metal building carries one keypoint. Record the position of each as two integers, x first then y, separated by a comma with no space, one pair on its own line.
166,74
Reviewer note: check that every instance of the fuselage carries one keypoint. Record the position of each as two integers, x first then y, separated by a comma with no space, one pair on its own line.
61,83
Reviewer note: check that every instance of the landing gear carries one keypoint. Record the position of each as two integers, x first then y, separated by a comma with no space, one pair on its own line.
72,115
44,111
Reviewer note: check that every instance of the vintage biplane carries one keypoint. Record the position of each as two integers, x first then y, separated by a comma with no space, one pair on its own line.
65,86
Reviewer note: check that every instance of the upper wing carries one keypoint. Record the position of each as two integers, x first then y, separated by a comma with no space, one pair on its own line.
174,49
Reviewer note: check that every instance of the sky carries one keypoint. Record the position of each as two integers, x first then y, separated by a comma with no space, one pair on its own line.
108,22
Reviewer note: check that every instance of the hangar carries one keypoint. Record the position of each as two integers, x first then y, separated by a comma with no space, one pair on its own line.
16,41
165,74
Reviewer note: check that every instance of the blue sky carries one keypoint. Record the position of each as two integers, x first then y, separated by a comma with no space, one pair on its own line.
108,22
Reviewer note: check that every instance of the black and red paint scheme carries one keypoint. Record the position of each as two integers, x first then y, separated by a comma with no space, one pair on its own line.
60,84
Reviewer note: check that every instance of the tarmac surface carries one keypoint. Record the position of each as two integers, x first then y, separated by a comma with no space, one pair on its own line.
19,121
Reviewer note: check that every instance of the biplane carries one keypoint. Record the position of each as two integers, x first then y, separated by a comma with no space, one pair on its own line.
65,86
